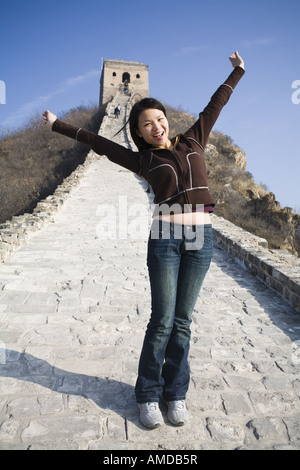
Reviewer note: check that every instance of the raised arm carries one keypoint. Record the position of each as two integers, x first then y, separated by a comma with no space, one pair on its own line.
102,146
200,131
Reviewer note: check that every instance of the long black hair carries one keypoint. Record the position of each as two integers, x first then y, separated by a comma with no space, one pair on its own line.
137,109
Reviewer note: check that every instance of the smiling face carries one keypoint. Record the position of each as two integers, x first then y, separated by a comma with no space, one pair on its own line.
153,127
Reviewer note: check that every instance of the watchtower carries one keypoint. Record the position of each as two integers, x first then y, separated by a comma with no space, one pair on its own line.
126,77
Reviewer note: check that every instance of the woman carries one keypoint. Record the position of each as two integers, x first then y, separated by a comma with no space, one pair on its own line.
180,242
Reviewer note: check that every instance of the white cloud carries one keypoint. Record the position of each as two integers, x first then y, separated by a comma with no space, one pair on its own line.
258,42
82,78
28,108
189,50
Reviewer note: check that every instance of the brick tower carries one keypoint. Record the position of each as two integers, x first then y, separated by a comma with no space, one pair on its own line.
127,77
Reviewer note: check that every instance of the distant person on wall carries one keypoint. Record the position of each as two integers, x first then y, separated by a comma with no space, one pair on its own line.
117,111
180,242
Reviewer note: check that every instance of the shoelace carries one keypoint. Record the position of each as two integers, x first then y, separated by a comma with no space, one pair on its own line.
151,406
177,405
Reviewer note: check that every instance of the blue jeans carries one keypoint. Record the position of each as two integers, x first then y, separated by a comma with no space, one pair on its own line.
178,262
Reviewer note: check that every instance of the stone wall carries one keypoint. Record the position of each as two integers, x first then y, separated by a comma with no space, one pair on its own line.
275,268
15,232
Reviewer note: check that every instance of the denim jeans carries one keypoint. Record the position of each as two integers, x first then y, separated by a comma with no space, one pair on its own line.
178,262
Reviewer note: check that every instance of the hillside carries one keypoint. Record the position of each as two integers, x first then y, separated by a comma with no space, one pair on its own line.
34,161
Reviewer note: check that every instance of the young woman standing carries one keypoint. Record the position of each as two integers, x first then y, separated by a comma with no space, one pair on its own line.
180,242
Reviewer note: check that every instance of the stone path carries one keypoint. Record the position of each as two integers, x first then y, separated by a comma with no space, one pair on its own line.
74,305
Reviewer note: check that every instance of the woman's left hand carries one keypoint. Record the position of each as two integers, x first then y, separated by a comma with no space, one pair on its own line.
236,60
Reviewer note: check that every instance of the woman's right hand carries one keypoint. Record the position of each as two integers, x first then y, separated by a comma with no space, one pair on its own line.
49,118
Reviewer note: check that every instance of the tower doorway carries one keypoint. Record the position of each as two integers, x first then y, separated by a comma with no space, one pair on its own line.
126,77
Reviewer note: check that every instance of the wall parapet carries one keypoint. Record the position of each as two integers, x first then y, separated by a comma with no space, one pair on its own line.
16,232
277,269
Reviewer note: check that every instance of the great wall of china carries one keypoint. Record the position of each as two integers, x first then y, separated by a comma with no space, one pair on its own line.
74,307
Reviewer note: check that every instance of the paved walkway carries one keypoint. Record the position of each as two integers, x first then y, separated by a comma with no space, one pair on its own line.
74,305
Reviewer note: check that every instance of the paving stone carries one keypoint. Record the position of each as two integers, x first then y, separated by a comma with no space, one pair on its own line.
268,428
236,404
225,430
61,428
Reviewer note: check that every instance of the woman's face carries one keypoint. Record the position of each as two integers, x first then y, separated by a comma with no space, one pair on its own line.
153,127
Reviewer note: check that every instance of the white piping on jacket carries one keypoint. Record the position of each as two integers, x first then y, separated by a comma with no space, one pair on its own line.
190,168
166,164
181,192
176,177
225,84
198,143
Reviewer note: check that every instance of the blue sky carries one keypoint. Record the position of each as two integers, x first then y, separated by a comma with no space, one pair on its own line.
51,59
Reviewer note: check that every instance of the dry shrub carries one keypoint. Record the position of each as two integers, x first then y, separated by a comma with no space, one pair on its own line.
179,121
34,160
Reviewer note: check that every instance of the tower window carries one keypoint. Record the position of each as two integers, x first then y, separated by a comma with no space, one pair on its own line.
138,75
114,74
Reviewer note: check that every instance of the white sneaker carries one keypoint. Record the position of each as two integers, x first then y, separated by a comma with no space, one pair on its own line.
150,415
177,412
